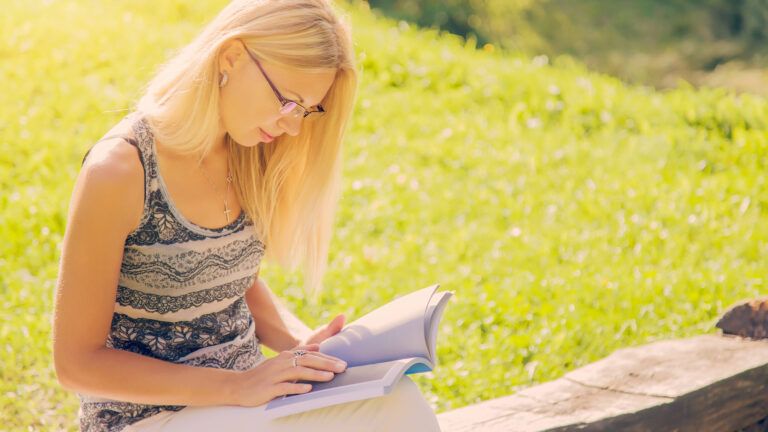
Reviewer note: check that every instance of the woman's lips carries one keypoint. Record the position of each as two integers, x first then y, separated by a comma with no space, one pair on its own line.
267,137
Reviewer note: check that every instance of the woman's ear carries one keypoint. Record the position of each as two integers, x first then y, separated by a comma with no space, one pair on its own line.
230,54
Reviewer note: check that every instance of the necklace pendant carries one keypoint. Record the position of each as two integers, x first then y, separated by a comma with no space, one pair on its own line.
226,212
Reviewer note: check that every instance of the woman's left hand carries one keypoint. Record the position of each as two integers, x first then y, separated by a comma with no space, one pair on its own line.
324,332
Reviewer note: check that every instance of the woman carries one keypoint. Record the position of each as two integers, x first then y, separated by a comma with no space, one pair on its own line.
233,152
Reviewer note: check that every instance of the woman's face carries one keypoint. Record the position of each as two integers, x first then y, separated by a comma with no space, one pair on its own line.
250,109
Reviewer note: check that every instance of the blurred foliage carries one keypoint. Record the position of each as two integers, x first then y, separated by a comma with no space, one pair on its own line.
486,20
572,214
512,22
658,42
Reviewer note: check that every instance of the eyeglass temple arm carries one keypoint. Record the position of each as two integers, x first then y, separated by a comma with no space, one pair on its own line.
283,101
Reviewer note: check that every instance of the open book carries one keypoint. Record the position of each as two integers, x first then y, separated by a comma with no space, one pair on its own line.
379,348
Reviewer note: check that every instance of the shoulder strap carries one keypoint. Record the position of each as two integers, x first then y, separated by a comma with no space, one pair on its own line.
130,140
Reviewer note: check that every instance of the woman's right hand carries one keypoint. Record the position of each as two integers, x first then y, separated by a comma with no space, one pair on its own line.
277,376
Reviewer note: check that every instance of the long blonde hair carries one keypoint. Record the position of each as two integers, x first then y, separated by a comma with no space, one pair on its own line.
289,187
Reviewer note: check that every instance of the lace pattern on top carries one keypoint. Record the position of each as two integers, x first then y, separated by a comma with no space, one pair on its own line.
171,269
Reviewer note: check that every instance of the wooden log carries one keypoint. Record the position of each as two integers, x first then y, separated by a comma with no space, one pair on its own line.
552,406
747,319
705,383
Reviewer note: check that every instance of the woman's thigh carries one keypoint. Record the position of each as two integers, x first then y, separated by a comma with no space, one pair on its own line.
404,409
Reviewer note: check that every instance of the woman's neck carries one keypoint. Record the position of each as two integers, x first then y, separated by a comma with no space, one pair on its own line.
220,143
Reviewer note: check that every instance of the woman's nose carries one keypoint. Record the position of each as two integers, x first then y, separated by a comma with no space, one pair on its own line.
291,125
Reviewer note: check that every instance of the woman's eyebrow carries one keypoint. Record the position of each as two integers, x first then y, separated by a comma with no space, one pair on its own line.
301,99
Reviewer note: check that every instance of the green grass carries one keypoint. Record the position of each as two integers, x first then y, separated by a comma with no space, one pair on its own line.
571,214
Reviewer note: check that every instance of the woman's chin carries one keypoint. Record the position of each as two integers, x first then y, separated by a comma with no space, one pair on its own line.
249,141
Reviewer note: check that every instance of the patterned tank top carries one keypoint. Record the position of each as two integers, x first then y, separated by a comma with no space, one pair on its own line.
181,292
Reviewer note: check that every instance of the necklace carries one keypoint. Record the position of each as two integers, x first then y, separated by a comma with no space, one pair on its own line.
216,189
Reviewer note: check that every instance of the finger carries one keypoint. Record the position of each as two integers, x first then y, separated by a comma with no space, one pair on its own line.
286,388
322,362
301,373
308,347
337,323
326,356
332,328
291,354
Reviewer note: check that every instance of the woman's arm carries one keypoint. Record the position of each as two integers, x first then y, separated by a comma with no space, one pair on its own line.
276,326
106,205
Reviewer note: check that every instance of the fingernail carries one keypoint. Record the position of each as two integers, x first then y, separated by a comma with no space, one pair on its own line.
340,366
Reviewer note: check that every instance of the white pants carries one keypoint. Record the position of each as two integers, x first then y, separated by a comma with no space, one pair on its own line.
403,410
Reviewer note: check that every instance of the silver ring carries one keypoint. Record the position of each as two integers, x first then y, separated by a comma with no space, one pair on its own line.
296,355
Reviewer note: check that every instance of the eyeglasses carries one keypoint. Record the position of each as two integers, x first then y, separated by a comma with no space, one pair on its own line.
287,106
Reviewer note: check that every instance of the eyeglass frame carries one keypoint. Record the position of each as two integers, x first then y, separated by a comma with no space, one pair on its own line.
284,101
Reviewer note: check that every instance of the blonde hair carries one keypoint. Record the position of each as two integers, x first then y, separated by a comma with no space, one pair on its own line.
289,187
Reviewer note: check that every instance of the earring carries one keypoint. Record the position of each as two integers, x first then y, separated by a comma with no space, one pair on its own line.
223,80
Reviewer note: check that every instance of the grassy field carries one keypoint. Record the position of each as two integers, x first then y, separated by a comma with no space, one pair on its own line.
571,214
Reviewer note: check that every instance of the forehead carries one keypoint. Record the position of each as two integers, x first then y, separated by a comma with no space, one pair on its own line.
309,88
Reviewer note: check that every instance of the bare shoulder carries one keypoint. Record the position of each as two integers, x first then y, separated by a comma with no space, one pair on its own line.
114,160
111,182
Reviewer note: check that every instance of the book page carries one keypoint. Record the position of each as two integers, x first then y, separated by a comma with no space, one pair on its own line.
356,383
393,331
434,313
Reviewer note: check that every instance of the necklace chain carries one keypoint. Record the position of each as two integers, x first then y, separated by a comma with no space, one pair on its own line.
227,211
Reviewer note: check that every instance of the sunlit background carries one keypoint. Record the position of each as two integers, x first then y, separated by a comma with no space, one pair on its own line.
555,163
